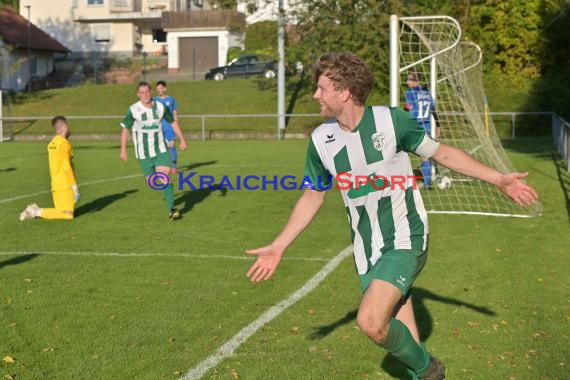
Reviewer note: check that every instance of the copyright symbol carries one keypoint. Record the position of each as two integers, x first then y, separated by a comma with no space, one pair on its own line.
158,181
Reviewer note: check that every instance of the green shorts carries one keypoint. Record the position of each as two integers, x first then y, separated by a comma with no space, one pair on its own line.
398,267
149,165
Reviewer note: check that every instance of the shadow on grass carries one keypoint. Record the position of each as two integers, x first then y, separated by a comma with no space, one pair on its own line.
194,165
390,364
563,179
100,203
8,170
186,201
18,260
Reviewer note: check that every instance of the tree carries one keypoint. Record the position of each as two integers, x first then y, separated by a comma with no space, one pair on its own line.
9,3
358,26
509,34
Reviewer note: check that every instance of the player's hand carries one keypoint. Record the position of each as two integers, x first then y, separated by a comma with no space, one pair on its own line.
76,195
183,145
268,259
512,185
123,155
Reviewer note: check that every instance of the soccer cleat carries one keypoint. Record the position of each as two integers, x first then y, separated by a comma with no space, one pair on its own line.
174,214
436,370
31,211
173,170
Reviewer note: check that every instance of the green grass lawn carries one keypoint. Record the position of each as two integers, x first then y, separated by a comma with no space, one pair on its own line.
122,292
110,103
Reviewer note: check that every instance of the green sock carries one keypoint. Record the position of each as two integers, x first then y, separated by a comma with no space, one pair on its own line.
168,194
402,345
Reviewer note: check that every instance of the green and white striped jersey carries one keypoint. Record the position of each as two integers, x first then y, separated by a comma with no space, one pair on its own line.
145,125
386,212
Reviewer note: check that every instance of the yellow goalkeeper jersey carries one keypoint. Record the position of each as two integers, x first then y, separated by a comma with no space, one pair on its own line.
60,156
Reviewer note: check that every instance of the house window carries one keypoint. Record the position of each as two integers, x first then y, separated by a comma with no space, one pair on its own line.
95,2
33,65
158,35
101,33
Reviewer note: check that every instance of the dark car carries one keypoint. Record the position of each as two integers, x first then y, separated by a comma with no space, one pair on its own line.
244,66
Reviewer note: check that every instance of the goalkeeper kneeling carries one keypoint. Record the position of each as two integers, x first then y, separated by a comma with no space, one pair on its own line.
64,189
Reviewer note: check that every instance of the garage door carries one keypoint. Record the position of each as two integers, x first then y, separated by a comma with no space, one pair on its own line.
198,54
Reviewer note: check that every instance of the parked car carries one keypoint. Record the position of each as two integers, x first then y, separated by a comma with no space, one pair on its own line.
245,65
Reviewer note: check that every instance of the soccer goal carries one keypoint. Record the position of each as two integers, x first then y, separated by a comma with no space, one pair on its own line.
431,49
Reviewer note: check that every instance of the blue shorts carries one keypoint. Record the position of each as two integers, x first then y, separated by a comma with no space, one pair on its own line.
169,134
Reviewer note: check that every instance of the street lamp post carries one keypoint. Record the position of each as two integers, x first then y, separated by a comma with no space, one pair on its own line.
29,51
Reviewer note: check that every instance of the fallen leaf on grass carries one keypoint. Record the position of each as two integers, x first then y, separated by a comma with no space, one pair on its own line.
8,360
48,349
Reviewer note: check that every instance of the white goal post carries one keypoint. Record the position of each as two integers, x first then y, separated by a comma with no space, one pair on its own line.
431,48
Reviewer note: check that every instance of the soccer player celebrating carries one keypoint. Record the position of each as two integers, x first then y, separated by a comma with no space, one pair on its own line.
64,189
144,120
169,134
389,224
421,106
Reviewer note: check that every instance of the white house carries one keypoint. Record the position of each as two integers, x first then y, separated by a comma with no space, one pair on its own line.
195,35
26,52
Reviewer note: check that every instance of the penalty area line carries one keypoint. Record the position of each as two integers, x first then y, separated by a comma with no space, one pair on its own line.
151,254
228,348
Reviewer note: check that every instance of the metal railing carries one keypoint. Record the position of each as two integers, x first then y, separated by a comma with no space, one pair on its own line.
561,134
513,116
560,127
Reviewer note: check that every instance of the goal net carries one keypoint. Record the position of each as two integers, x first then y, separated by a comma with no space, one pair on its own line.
430,51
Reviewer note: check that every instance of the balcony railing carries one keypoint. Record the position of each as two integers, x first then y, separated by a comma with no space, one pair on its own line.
148,5
125,5
203,19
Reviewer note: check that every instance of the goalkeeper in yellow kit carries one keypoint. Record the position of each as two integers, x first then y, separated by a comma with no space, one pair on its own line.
63,184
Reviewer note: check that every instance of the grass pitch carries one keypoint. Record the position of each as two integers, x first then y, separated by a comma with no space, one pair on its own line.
122,292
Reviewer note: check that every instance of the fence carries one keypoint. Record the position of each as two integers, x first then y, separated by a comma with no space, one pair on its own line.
561,134
208,127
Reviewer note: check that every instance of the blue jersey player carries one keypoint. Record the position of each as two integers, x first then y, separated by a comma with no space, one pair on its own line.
421,106
169,134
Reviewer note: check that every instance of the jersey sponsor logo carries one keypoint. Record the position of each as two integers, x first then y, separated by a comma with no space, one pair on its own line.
330,139
379,141
149,127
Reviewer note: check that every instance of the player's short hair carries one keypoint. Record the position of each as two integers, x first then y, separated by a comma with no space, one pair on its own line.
414,75
57,119
347,72
161,83
143,84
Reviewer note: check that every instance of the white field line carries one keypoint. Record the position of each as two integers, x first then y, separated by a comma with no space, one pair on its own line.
6,200
152,254
228,348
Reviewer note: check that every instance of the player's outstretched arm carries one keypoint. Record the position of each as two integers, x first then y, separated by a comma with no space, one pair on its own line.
269,257
510,183
124,139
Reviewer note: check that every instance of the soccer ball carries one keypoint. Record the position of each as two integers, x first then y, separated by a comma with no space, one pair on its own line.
444,182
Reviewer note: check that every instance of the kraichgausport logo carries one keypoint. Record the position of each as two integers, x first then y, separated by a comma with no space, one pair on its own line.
356,185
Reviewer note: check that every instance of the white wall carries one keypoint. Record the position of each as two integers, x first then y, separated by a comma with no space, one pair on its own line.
56,18
173,45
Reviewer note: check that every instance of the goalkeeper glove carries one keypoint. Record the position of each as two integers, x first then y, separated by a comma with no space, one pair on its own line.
76,194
